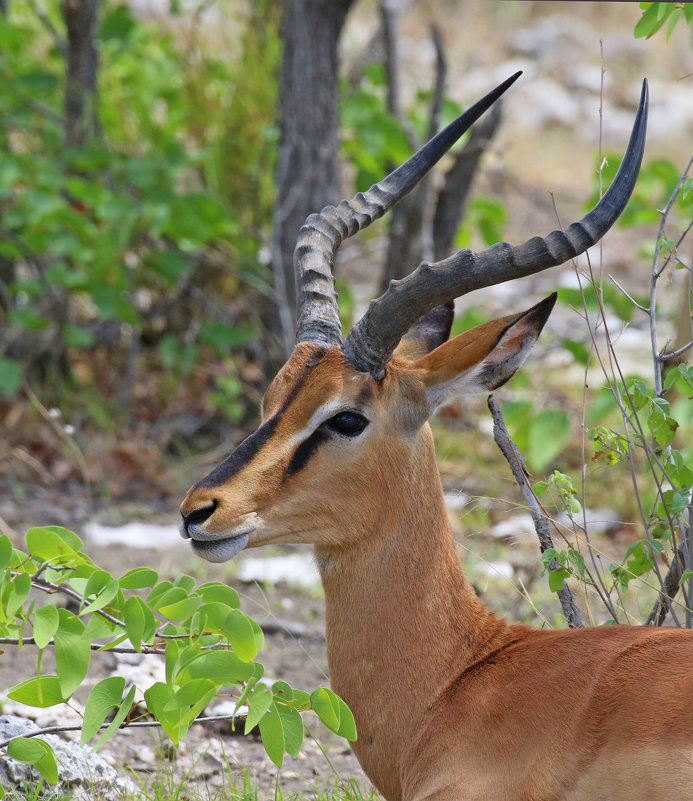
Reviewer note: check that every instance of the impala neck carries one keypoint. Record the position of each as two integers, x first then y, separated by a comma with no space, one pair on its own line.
402,620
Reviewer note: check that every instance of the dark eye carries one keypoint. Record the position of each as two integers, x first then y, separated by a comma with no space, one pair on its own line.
350,424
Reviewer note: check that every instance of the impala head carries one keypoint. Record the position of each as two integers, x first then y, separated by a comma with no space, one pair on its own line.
342,420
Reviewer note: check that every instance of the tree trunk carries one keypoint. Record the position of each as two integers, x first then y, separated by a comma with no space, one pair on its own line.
81,110
308,169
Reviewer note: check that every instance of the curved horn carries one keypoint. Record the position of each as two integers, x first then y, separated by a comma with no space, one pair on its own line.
323,233
371,342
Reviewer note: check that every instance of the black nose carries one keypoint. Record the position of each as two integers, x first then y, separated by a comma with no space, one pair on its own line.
198,515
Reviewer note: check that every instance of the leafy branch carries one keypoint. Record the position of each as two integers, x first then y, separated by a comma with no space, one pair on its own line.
207,642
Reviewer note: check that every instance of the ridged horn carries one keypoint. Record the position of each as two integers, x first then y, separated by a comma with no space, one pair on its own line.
317,318
371,342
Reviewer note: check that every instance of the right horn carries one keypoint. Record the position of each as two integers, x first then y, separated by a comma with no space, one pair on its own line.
371,342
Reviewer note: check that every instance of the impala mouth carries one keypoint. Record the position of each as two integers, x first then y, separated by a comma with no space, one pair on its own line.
219,547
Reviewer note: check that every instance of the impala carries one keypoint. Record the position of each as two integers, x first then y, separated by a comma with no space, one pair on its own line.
452,703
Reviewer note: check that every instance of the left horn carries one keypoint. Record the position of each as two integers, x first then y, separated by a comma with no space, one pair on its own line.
372,341
322,234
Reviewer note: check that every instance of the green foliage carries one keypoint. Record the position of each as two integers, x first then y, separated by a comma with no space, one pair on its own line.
372,138
484,214
655,15
540,435
561,487
207,642
173,194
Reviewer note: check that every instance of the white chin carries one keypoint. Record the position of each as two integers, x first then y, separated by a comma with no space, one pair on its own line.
220,550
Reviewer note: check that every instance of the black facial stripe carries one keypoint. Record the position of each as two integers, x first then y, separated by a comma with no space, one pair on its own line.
311,363
305,450
252,445
241,456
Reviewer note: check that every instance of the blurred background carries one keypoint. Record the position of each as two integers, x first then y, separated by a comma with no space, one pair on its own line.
159,157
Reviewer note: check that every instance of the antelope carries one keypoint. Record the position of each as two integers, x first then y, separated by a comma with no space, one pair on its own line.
451,702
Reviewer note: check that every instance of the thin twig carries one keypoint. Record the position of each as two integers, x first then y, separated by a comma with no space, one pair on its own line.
139,724
45,20
630,297
508,448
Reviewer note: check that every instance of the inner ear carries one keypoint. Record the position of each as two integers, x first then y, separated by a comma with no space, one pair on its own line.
484,358
427,333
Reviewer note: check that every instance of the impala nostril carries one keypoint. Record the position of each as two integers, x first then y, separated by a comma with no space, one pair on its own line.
199,515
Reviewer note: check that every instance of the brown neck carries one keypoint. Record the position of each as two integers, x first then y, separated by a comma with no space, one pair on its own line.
402,620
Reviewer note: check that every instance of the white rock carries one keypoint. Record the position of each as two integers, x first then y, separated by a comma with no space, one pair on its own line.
81,774
134,535
297,569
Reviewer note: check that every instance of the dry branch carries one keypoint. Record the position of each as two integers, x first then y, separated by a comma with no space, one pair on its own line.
514,458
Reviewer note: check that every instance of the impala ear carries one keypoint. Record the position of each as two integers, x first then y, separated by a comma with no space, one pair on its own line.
427,333
484,358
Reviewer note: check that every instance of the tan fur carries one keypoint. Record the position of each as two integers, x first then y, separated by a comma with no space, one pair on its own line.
451,702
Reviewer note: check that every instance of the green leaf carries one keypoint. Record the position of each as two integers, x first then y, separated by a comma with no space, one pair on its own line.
292,723
334,713
119,717
104,587
138,579
327,710
45,625
213,616
281,688
685,576
72,652
140,623
181,609
157,697
221,667
272,733
556,578
652,20
98,627
11,376
5,551
40,691
190,700
51,543
35,752
16,592
105,696
259,701
241,635
216,592
157,592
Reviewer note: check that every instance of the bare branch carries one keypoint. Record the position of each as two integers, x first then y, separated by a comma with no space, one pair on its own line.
569,605
439,84
670,588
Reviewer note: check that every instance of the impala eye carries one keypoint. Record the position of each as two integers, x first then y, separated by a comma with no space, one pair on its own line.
350,424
